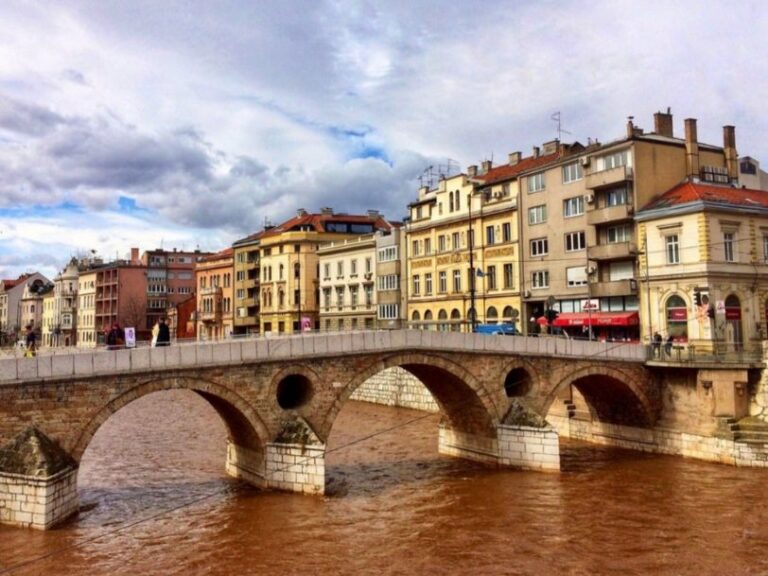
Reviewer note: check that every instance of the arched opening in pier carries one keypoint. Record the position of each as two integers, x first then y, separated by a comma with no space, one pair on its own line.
168,445
416,417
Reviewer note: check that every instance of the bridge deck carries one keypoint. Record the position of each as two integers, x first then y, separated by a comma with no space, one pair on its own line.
260,349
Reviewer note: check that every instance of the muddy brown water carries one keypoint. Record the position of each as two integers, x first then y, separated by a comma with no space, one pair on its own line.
155,500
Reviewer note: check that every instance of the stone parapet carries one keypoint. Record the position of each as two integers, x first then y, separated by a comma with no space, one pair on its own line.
35,502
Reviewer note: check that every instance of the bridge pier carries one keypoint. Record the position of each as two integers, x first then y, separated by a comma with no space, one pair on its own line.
38,482
296,467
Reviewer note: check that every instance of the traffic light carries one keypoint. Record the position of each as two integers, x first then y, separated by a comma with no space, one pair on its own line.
552,315
697,297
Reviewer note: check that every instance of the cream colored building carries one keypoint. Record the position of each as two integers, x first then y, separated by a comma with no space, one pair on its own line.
247,284
87,336
462,255
290,283
707,261
48,321
215,295
347,281
390,291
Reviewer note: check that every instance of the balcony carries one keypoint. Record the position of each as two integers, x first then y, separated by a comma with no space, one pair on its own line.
610,177
610,214
617,251
212,291
615,288
210,316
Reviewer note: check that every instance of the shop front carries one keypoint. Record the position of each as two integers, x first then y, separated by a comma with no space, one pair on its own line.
604,326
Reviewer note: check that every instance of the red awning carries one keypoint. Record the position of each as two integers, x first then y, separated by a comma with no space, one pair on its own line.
566,319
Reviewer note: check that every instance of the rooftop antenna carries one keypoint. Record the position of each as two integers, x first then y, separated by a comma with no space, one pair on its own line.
560,129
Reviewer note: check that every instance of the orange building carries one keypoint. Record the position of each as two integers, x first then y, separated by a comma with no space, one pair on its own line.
215,294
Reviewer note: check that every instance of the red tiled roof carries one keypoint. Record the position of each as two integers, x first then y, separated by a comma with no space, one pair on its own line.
690,192
220,255
317,222
507,171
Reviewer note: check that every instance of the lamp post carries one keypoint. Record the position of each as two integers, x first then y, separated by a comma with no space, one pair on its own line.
472,310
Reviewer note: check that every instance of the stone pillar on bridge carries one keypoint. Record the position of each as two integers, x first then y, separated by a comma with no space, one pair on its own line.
38,482
295,461
527,441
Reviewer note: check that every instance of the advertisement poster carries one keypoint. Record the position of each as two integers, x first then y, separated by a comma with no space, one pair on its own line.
306,324
130,337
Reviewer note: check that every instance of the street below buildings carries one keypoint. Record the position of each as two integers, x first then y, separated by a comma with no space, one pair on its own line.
155,500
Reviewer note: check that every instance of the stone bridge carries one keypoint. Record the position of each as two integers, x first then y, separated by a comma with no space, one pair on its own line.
279,399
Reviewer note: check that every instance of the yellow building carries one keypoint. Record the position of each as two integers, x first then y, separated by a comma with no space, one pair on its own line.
462,255
706,261
215,292
48,320
247,284
290,287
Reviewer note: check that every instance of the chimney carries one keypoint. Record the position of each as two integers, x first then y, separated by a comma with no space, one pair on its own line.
134,255
691,148
535,151
486,165
472,170
729,150
326,211
301,212
373,214
662,123
630,126
514,158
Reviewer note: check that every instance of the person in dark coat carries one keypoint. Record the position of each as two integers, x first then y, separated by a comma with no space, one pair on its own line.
668,345
163,334
656,345
30,341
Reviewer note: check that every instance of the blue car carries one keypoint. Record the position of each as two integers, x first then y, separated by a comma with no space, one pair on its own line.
500,329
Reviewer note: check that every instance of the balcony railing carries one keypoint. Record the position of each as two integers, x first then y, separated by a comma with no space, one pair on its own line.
615,288
608,177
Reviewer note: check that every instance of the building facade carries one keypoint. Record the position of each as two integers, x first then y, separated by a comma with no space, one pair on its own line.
390,268
247,284
170,280
215,294
290,283
347,280
11,293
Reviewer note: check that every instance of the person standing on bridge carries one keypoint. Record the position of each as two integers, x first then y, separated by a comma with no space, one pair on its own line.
657,345
30,342
163,333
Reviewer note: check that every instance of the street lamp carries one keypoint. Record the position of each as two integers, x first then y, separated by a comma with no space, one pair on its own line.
472,310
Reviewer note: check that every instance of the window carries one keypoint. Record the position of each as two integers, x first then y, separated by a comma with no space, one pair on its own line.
450,202
327,271
388,282
458,200
613,160
428,283
540,279
416,285
506,232
455,243
677,318
353,268
508,276
575,241
573,206
457,280
536,182
441,243
340,269
389,311
327,298
537,214
368,262
427,246
385,255
353,296
765,248
576,276
539,247
489,235
572,172
616,197
617,234
729,239
490,278
415,247
443,282
672,249
240,275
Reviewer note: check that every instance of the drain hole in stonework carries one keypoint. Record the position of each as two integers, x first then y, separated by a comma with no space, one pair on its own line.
293,391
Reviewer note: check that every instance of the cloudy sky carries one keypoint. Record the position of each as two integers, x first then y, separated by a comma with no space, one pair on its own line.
181,124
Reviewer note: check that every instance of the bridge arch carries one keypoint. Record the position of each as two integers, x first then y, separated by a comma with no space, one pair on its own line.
244,427
614,395
466,404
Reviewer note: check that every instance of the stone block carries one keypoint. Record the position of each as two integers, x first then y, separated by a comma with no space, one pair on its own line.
297,346
140,360
105,361
204,354
221,352
172,356
27,368
8,369
44,366
236,351
248,350
279,348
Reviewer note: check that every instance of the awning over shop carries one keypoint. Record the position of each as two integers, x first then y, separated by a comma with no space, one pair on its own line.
566,319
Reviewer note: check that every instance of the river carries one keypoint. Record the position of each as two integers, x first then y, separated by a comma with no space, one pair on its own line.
155,500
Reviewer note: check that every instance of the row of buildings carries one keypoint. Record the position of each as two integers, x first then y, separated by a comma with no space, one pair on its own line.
649,233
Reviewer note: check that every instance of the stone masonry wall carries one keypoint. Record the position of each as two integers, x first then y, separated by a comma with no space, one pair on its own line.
529,448
296,468
33,502
396,387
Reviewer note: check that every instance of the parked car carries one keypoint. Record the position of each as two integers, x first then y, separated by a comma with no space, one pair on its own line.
499,329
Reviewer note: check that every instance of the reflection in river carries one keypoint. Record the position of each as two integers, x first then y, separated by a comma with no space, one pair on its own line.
155,501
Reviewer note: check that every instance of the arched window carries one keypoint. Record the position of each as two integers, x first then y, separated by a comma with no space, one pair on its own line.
427,318
442,317
455,320
281,298
416,317
492,316
677,318
507,314
733,332
450,201
458,200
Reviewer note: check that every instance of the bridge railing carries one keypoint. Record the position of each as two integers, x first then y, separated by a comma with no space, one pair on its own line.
278,348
